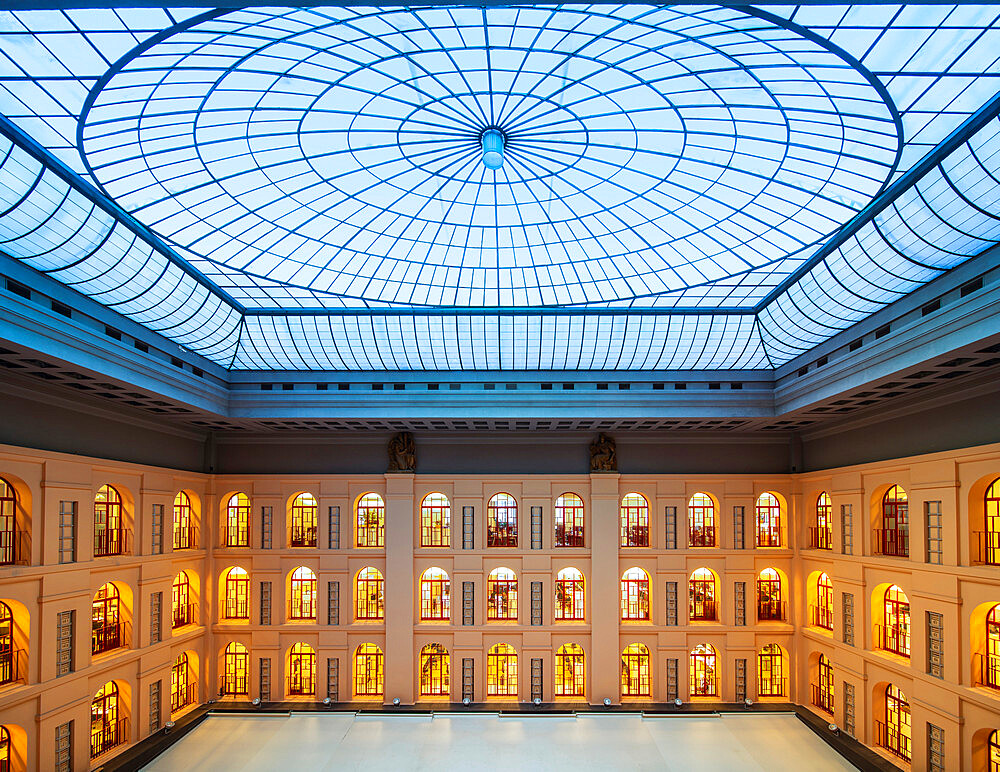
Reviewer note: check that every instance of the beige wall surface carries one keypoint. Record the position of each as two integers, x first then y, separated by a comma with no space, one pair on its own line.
942,575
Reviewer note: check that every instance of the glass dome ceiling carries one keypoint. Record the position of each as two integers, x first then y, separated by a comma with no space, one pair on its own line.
681,187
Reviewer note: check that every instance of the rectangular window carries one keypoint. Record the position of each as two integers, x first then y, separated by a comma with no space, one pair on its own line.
536,604
741,679
846,529
536,528
536,678
847,609
333,599
468,603
67,531
265,679
738,531
157,529
468,678
935,644
849,722
334,527
935,749
333,678
64,747
468,523
266,529
670,518
671,604
740,604
672,685
265,603
935,532
64,642
154,706
155,617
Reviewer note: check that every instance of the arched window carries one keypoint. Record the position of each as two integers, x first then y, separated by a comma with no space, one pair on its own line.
704,676
5,743
993,752
822,612
990,667
634,520
770,606
635,594
109,535
569,521
571,674
368,675
8,525
237,594
501,671
371,521
501,594
434,671
369,595
770,672
701,596
435,595
991,538
821,537
893,538
822,691
107,728
435,521
8,654
768,510
180,596
184,532
235,679
569,595
701,521
107,633
304,517
894,733
635,671
238,521
302,595
894,634
301,670
501,521
182,687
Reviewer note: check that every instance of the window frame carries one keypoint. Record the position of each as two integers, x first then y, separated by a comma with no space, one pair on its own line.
304,528
302,595
501,595
501,671
635,596
701,520
570,659
435,671
237,594
501,521
301,670
369,591
633,511
369,668
238,520
571,595
635,659
435,520
569,522
703,671
236,670
369,521
767,511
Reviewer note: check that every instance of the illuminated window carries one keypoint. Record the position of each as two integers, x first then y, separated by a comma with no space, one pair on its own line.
768,511
822,612
894,733
371,521
180,596
501,521
635,594
235,680
184,532
634,521
990,664
435,595
701,521
569,595
822,692
704,676
569,521
701,596
894,634
301,670
770,671
821,537
237,594
435,521
635,671
501,594
893,538
770,606
571,674
302,596
8,524
434,671
994,752
238,521
991,539
107,729
107,631
368,675
182,686
5,763
109,536
8,654
501,671
304,517
369,595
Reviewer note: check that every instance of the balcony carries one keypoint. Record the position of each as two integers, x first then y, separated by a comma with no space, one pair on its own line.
15,548
986,548
772,687
821,616
891,542
702,611
13,666
185,538
183,697
895,639
986,671
302,536
234,685
769,538
108,543
821,699
109,637
820,539
701,537
184,614
894,741
569,537
770,611
236,537
104,737
636,536
300,687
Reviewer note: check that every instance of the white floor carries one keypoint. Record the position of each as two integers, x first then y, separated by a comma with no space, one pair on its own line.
343,741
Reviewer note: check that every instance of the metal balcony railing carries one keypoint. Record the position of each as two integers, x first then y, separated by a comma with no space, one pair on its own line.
820,539
234,685
821,616
772,687
769,538
104,737
299,536
184,614
183,697
300,687
894,639
770,611
701,537
637,536
893,740
891,542
15,548
569,537
987,670
702,611
13,666
821,699
110,637
236,537
987,548
108,543
186,538
501,536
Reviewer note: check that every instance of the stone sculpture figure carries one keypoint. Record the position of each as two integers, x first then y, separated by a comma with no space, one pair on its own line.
402,453
602,454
